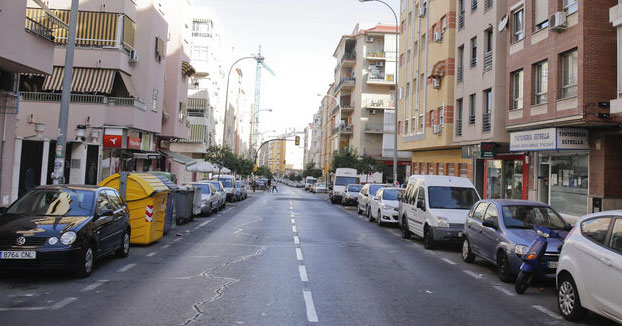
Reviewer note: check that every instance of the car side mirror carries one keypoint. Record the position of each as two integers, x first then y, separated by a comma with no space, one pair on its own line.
567,227
366,195
105,212
421,204
490,224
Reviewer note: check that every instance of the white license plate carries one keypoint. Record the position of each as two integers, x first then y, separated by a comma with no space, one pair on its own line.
18,254
552,264
460,234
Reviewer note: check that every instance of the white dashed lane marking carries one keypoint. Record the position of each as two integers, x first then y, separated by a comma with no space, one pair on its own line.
448,261
205,223
303,273
165,246
311,313
504,290
475,275
296,240
56,306
293,221
294,229
547,312
298,254
151,254
126,268
94,285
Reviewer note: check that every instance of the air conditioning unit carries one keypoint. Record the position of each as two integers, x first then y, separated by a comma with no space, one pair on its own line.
133,56
436,83
436,129
422,10
438,37
558,21
372,112
369,39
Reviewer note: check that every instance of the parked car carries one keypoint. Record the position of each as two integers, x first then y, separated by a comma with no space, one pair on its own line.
64,227
366,194
309,182
501,230
240,187
351,195
384,206
221,193
228,181
589,273
319,188
435,208
210,199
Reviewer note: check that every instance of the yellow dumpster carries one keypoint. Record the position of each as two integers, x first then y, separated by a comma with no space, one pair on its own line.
146,198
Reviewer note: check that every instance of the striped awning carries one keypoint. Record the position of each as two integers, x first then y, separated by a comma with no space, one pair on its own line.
187,69
129,84
197,133
84,80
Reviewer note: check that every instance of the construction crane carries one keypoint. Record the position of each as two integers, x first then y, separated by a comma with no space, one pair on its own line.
255,107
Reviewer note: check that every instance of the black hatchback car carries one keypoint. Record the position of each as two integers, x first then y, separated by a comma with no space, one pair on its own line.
63,227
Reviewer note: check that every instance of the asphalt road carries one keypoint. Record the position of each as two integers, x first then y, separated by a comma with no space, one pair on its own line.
288,258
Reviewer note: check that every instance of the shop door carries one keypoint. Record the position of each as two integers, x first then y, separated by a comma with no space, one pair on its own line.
92,159
30,166
512,179
543,182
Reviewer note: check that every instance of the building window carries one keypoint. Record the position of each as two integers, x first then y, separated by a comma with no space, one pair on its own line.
201,29
569,74
199,53
518,25
431,117
472,109
459,117
441,116
451,169
571,6
420,123
488,38
540,14
423,42
517,90
441,168
154,100
464,170
460,14
487,109
460,74
541,74
474,51
473,5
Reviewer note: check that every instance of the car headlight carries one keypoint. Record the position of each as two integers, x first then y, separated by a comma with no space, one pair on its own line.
520,249
397,209
68,238
442,222
53,240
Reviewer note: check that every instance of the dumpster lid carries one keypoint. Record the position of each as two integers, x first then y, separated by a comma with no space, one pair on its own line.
148,183
166,181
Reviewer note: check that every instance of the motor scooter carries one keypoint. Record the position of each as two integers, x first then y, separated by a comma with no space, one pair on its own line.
531,265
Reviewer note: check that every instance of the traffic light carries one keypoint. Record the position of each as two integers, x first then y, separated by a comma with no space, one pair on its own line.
297,141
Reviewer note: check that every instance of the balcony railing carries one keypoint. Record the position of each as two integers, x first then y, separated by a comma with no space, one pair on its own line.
488,61
346,129
473,5
487,4
194,112
460,73
461,20
473,62
376,128
376,54
486,122
38,29
84,98
459,126
379,103
347,81
348,57
9,103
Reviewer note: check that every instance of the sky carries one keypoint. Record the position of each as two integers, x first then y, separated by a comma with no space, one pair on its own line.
298,38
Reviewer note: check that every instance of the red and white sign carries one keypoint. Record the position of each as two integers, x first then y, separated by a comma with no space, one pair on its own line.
113,138
149,213
133,143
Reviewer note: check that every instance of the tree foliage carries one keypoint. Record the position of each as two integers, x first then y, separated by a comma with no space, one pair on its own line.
311,170
224,157
348,157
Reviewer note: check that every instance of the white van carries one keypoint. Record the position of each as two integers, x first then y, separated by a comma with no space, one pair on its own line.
435,208
228,181
343,178
309,182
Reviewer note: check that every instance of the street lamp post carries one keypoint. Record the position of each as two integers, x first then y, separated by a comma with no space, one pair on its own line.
396,86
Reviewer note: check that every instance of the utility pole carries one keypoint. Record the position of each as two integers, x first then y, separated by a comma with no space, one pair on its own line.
61,142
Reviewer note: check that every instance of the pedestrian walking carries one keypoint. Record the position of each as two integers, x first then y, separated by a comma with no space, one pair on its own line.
274,188
268,185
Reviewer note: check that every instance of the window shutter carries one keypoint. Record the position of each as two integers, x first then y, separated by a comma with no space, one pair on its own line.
541,11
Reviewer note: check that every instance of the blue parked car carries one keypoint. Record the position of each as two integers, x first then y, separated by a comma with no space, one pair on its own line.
501,230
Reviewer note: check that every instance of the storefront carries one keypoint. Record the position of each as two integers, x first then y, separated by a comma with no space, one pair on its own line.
128,150
506,177
562,166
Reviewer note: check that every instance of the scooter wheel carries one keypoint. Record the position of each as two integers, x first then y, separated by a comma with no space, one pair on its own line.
522,282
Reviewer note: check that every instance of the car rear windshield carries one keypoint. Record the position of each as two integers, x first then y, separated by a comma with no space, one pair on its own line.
311,181
356,188
526,217
216,185
54,202
205,190
391,194
452,197
226,182
344,181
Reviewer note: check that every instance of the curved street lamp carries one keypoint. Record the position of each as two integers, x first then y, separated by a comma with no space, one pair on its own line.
396,87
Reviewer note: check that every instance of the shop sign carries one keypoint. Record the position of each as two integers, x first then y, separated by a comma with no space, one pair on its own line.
549,139
113,137
488,150
133,139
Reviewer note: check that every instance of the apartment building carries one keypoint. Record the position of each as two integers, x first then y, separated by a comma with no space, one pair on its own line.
272,155
561,80
364,95
315,141
480,99
426,96
119,111
27,48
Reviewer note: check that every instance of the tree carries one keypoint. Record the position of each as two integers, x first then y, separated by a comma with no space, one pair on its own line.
347,158
264,171
245,167
368,165
311,170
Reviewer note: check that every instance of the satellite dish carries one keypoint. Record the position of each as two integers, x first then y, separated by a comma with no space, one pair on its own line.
503,23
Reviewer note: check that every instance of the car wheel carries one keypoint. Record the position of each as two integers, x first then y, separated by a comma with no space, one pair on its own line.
428,238
503,268
467,254
405,231
379,218
124,249
369,216
522,282
85,265
568,300
358,210
209,210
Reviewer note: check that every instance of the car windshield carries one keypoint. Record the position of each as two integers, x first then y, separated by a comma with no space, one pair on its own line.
374,188
216,185
452,197
226,182
54,202
354,188
205,190
391,194
526,217
311,181
344,181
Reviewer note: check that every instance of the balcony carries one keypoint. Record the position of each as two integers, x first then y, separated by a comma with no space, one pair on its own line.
348,59
380,79
343,129
379,104
378,128
488,61
376,55
347,82
461,20
486,122
84,98
9,103
38,29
